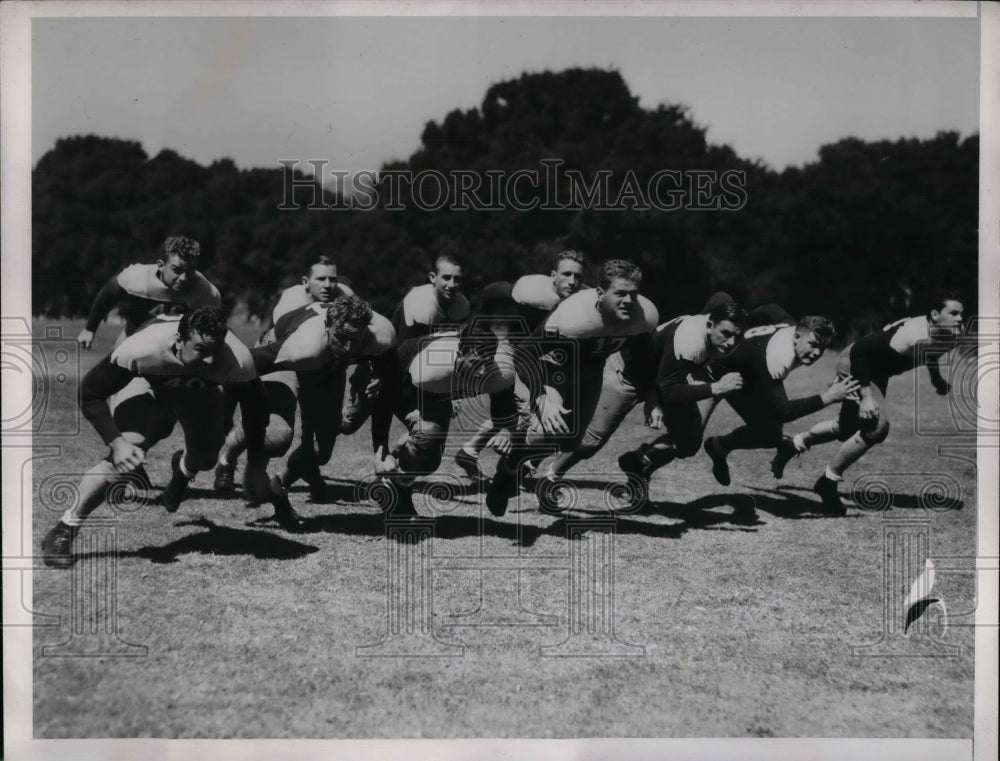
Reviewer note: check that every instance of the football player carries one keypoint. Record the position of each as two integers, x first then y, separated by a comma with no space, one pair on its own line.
765,357
563,368
324,391
168,371
680,348
434,307
141,291
872,361
437,371
293,358
535,296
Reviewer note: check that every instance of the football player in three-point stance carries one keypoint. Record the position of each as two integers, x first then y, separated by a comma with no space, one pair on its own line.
171,286
535,296
872,361
168,371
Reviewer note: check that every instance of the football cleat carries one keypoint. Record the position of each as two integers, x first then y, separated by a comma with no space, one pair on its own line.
470,465
826,488
318,490
720,468
502,488
172,496
785,453
284,513
224,478
57,546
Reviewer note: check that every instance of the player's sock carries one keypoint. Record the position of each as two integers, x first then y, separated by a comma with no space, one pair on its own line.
832,475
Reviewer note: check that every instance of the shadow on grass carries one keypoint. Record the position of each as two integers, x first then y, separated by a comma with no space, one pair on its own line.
221,540
444,527
897,500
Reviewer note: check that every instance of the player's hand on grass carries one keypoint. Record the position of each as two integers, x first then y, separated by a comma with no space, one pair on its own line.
500,442
255,481
86,338
840,389
654,415
125,455
727,383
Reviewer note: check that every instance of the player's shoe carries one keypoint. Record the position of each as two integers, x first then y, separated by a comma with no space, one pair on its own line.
826,488
785,453
635,466
470,465
224,482
318,490
502,488
720,467
284,513
172,496
57,546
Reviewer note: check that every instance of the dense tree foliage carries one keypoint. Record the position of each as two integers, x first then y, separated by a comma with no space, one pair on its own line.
851,235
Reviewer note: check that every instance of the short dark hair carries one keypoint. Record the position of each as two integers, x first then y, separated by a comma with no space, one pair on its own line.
618,268
820,327
207,320
447,258
570,255
940,296
351,309
323,261
181,246
731,311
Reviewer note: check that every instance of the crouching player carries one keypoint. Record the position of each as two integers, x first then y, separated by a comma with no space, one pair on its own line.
680,349
872,360
168,371
535,296
564,367
437,371
322,392
306,343
172,285
764,359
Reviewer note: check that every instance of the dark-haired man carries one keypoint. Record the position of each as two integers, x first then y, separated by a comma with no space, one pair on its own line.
172,285
170,370
767,354
434,307
534,298
680,348
862,423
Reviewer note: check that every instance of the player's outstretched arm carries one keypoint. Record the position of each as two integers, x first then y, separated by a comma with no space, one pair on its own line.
104,380
937,379
106,300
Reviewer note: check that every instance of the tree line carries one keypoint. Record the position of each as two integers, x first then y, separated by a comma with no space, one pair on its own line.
861,235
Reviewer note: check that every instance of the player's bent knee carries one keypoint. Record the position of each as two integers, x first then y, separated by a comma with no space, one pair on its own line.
278,439
687,447
876,435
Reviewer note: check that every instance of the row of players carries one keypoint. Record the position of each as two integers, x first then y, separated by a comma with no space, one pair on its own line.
561,364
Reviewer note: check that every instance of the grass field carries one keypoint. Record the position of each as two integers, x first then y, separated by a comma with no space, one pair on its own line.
746,602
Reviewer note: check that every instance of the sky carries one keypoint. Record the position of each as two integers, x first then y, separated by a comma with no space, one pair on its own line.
357,92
